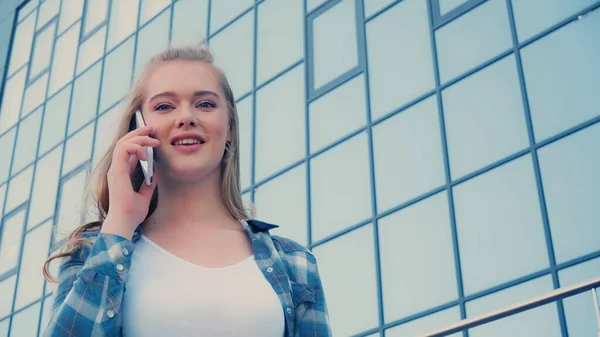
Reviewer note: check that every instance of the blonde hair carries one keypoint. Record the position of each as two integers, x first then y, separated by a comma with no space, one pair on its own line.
230,168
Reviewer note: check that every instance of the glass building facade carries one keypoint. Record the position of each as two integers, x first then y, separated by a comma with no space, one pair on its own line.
441,158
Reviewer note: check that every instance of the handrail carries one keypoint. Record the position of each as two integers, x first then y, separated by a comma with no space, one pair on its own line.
555,295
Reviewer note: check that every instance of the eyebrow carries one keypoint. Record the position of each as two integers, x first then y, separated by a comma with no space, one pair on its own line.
196,94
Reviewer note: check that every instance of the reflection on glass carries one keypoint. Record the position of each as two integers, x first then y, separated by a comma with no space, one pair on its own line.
63,62
335,43
7,291
539,322
417,266
373,6
579,309
10,246
25,323
55,120
340,187
91,50
280,123
11,100
123,21
272,208
22,44
71,203
18,190
569,169
117,74
562,74
35,251
69,14
496,228
345,265
44,41
244,110
35,95
484,118
345,103
472,39
78,148
408,155
400,63
189,22
427,324
45,186
85,98
152,7
105,131
534,16
233,50
7,142
222,12
152,39
26,144
95,14
48,10
448,5
280,40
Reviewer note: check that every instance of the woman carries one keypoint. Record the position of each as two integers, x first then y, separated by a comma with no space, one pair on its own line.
177,257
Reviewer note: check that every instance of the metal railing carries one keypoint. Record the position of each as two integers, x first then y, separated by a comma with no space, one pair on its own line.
553,296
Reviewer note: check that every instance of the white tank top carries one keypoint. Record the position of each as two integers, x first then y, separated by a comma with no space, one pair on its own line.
168,296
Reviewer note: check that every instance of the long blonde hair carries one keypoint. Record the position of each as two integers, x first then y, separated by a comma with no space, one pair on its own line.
230,167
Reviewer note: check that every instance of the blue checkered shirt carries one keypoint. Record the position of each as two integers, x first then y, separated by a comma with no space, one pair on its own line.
91,284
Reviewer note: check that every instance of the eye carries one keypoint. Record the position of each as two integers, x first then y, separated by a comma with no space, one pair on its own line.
163,107
206,105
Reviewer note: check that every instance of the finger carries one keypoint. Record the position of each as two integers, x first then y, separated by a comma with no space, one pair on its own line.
147,190
123,154
146,130
144,141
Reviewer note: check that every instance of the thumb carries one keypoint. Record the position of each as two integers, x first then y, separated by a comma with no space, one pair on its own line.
146,191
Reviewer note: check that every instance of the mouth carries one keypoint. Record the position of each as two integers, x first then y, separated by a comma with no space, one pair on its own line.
188,143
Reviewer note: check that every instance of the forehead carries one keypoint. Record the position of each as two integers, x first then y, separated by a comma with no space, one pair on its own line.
182,77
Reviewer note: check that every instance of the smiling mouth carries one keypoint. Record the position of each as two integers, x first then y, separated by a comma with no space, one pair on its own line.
187,142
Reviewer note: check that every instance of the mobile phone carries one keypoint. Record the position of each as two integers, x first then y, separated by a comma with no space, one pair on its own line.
147,166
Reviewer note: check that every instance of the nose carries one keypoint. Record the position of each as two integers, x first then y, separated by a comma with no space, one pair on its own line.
186,119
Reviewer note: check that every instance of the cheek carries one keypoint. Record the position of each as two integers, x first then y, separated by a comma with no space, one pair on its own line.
219,126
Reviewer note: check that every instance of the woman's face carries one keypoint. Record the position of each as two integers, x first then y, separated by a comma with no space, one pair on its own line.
184,103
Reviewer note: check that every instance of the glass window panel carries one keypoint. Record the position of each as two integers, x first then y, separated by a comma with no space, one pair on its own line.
335,49
10,246
53,269
7,142
245,114
427,324
27,141
373,6
44,41
123,21
150,8
48,10
312,4
11,100
496,229
417,266
45,185
473,39
569,171
408,155
272,208
18,189
562,74
35,251
4,327
538,322
280,40
339,178
484,118
22,44
2,196
400,63
345,103
95,14
152,39
579,309
448,5
78,148
35,95
222,12
46,312
28,8
233,50
63,63
117,74
7,292
69,14
85,98
534,16
280,123
71,203
189,22
25,323
55,120
345,265
105,131
91,50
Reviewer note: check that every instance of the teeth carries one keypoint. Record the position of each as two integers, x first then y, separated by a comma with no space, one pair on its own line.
187,141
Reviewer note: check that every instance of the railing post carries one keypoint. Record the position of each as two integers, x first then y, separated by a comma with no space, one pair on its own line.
597,308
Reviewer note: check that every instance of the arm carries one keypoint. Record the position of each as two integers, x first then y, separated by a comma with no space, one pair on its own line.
315,320
90,290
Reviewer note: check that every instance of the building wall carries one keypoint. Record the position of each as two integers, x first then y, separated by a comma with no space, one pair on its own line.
439,157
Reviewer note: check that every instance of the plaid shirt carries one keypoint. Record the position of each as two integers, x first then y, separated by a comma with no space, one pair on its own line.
91,284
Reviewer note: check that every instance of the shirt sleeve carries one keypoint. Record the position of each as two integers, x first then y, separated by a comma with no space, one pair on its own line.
315,321
90,290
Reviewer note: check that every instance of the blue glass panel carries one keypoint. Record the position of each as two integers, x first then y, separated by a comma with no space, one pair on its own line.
45,186
85,98
25,323
122,22
373,6
190,19
35,252
579,309
222,12
10,247
26,143
11,107
118,72
63,63
496,229
55,120
48,10
152,39
312,4
427,324
46,312
572,189
4,327
105,131
21,49
35,95
44,41
78,149
399,56
18,190
91,50
95,14
69,14
7,142
70,205
7,291
150,8
448,5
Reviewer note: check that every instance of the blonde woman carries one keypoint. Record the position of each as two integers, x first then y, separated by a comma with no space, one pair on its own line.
179,257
